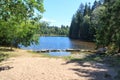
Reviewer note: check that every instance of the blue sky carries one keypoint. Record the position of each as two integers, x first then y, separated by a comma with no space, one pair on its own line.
60,12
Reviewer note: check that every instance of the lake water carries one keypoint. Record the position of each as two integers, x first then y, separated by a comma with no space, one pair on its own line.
59,53
52,43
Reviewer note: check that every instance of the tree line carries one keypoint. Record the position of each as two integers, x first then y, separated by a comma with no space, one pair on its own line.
81,25
99,23
47,30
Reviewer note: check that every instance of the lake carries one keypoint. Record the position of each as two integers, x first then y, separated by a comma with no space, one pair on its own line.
59,43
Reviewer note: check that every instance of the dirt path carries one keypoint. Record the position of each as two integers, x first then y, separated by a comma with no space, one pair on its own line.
37,68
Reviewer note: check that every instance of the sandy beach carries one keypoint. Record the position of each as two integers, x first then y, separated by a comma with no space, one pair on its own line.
39,68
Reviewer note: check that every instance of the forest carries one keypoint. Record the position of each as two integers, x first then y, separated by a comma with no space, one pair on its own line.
47,30
99,23
85,20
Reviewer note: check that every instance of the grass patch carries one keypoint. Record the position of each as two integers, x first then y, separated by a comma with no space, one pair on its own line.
88,57
3,56
68,57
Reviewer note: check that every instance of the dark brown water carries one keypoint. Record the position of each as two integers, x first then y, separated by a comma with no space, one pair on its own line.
59,43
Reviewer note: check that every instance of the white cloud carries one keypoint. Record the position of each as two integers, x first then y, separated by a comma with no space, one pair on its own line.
48,20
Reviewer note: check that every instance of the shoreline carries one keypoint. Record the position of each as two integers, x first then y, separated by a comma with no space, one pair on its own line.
25,65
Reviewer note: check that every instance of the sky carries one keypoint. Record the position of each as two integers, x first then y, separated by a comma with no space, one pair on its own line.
60,12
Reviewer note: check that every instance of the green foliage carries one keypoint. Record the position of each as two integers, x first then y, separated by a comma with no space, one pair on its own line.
81,23
101,22
46,30
19,21
26,33
110,27
95,22
96,4
95,17
74,28
3,56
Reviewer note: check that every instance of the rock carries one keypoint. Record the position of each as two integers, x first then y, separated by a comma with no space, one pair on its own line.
71,50
55,50
101,50
83,50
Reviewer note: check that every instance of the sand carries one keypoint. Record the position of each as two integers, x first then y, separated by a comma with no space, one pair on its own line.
39,68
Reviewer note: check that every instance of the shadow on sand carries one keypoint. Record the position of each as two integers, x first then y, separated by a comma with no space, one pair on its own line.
92,69
3,68
3,57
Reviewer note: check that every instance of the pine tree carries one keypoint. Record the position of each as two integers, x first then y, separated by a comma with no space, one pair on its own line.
110,26
96,4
